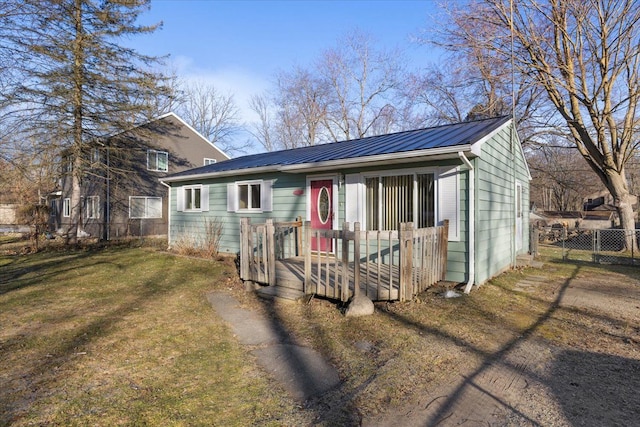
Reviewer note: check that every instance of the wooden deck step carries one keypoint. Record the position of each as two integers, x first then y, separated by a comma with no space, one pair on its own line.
280,292
297,285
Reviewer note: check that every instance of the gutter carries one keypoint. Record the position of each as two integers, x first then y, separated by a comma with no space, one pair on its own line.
471,191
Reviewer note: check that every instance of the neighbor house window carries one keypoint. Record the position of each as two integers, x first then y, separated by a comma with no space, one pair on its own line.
391,200
145,207
194,198
92,207
209,161
249,196
95,155
157,160
66,207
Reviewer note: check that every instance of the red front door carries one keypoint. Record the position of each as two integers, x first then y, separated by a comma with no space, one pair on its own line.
322,212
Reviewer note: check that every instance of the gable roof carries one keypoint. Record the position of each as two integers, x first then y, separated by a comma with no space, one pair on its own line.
173,115
414,145
170,116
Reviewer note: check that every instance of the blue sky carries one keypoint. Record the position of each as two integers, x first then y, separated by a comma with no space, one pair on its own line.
239,45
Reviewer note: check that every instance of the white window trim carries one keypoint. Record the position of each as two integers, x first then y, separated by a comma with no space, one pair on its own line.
360,210
146,207
66,208
209,161
362,188
184,190
266,196
155,167
92,209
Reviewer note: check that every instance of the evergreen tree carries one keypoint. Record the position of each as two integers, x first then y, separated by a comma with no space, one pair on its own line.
79,79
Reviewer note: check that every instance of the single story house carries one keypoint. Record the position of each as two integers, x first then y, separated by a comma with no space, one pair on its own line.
473,174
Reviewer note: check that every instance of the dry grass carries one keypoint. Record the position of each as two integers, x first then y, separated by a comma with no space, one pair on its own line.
122,337
125,337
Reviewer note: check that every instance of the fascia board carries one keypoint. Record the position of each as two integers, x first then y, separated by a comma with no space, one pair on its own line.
378,160
409,156
476,147
221,174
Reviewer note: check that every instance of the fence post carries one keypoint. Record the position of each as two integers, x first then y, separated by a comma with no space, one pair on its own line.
307,258
270,253
444,251
244,247
345,263
565,256
356,259
405,237
299,237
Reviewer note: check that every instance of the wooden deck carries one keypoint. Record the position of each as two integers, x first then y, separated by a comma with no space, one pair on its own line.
375,278
385,265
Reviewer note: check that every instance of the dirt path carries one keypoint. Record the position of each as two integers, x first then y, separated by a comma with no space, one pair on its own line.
530,383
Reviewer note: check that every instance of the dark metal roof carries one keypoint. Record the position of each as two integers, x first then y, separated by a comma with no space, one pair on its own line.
444,136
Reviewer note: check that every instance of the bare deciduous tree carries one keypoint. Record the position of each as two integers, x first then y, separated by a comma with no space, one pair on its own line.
360,82
263,129
348,93
212,113
585,56
560,178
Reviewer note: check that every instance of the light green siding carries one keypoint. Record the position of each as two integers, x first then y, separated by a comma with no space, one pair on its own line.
190,225
495,205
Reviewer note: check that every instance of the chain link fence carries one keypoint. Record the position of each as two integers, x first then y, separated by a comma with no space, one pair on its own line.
602,246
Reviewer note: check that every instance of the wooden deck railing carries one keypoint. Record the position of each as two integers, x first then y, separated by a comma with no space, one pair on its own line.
261,245
385,265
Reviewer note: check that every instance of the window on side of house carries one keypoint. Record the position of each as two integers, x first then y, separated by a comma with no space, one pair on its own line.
143,207
66,207
249,196
193,198
92,207
391,200
157,160
209,161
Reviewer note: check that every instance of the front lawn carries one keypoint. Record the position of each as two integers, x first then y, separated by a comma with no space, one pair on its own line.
123,337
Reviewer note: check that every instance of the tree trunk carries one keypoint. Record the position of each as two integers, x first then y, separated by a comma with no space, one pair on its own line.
623,201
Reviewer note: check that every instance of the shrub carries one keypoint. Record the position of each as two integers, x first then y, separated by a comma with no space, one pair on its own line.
205,244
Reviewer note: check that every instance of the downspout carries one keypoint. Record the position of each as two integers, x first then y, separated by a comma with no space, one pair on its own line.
471,202
168,211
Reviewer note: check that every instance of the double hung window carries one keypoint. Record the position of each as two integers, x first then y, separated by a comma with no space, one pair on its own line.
66,207
157,160
249,196
193,198
145,207
92,207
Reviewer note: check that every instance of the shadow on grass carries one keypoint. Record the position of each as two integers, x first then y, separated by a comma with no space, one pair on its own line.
36,378
588,386
304,375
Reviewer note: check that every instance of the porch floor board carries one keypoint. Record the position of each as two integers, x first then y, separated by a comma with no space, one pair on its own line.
290,274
